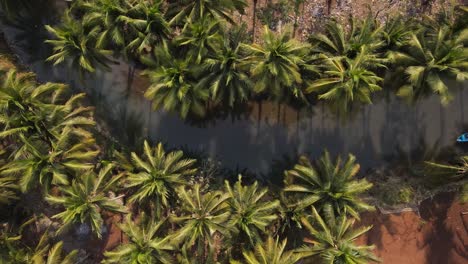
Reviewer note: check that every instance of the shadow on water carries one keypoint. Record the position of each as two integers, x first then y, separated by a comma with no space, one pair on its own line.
264,140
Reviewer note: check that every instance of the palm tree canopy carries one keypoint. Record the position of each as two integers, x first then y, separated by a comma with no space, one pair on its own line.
173,86
275,64
270,252
346,81
334,241
203,214
428,59
78,44
225,73
150,26
48,163
188,10
146,243
156,175
86,198
329,186
249,213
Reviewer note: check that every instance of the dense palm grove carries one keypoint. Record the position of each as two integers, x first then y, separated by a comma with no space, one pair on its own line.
54,164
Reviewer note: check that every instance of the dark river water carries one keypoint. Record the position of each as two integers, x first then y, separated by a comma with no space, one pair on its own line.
383,131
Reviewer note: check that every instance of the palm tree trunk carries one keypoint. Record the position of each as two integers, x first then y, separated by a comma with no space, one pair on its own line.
279,113
462,112
254,19
329,3
130,77
259,116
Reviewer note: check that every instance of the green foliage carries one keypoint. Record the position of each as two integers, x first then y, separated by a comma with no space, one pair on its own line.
156,175
251,212
188,10
275,65
346,81
203,215
334,241
13,250
86,198
173,86
147,243
78,44
329,186
428,59
225,73
271,252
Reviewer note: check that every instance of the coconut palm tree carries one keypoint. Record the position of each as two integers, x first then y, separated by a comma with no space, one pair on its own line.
40,110
249,213
337,42
13,250
396,32
86,198
78,44
334,241
151,27
48,163
8,189
270,252
173,85
346,81
187,10
45,254
275,64
328,186
156,175
202,215
443,173
225,73
428,60
201,38
110,19
146,243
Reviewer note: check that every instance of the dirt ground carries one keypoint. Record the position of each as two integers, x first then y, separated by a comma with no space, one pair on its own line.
437,235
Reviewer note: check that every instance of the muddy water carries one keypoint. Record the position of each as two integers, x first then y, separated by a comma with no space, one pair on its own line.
376,134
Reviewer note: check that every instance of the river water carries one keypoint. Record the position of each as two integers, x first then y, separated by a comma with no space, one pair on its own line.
379,133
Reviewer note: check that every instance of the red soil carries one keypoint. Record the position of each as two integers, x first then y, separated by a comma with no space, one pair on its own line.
438,235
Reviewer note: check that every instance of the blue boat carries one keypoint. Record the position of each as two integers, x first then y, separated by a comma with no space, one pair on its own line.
463,138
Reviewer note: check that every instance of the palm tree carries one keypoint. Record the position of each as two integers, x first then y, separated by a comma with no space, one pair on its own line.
249,213
442,173
40,110
428,59
270,252
47,163
13,250
173,85
396,32
337,42
201,38
203,215
86,198
275,64
346,81
110,19
156,175
225,73
78,44
146,243
333,242
330,187
44,254
187,10
7,190
152,28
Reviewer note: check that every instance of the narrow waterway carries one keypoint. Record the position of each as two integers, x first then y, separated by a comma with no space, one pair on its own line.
383,131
